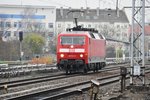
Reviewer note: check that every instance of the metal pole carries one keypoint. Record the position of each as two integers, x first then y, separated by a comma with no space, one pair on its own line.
143,39
138,24
86,3
99,4
20,51
132,36
76,22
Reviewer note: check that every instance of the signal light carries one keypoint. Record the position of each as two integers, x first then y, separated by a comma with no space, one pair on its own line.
20,35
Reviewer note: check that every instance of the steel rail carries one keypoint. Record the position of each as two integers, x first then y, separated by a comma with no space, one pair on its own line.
54,92
57,95
48,78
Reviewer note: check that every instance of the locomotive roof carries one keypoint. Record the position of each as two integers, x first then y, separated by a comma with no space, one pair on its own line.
88,33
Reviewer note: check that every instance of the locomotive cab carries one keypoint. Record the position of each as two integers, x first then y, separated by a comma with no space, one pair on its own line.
71,51
80,50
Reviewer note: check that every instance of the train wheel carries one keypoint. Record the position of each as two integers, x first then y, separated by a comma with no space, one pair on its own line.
59,67
66,68
99,66
70,71
67,71
103,64
94,67
85,69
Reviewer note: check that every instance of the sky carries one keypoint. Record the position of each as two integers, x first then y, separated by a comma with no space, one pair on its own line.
93,4
71,3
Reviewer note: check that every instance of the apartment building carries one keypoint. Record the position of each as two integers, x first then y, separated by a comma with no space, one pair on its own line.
26,18
109,22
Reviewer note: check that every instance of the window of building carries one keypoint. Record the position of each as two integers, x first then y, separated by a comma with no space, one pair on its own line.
121,26
125,34
8,24
43,25
50,25
8,33
20,24
100,26
37,25
105,26
95,17
125,26
82,25
96,26
59,25
69,26
89,25
118,26
1,24
1,33
118,34
15,33
15,24
87,17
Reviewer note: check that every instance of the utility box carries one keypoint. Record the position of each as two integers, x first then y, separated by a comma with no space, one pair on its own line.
136,70
123,71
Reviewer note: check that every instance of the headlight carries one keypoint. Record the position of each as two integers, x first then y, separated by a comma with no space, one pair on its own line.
71,46
81,55
61,55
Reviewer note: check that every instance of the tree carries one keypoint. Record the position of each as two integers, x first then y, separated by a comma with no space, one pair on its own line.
9,50
34,43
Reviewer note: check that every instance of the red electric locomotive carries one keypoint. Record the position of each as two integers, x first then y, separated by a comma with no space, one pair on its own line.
80,50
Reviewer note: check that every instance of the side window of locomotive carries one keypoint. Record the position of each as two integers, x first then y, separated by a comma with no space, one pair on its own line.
101,36
96,36
91,34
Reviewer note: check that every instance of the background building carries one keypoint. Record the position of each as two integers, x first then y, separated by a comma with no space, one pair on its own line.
147,38
111,23
29,19
106,21
48,21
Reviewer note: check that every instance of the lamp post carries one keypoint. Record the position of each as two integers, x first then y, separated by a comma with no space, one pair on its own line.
147,50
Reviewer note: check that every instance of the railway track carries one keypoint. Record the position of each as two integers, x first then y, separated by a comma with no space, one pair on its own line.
23,82
47,78
55,93
76,91
76,88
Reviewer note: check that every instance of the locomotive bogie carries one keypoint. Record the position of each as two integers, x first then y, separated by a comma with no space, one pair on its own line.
72,65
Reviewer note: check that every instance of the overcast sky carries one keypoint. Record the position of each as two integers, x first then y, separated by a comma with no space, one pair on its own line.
79,3
71,3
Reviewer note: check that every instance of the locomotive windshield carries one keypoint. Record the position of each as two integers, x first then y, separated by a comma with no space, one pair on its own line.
69,40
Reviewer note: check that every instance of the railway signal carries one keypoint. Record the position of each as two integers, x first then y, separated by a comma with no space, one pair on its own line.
20,35
20,39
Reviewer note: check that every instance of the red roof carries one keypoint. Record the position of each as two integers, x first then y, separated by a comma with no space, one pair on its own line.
147,30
